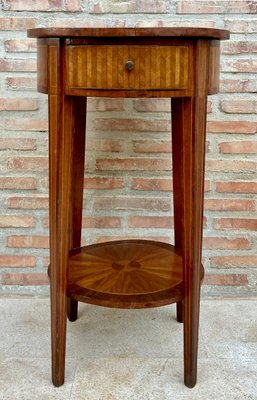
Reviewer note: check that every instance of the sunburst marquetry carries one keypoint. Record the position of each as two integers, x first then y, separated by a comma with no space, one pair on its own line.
131,272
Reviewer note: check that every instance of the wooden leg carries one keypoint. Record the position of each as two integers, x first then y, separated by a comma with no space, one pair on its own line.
72,309
177,195
189,147
79,111
60,152
180,311
62,125
189,132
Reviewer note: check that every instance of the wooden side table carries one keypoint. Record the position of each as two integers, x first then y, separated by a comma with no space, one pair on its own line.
73,64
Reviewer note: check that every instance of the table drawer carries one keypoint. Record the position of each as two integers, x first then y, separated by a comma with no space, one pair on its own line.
106,67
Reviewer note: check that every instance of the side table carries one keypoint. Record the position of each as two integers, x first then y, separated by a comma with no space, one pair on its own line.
73,64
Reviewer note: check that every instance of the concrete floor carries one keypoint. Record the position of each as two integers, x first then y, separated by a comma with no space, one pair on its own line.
128,354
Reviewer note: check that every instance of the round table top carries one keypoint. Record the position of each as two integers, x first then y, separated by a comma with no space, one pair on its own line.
174,32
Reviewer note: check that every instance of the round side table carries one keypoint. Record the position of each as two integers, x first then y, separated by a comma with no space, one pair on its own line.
73,64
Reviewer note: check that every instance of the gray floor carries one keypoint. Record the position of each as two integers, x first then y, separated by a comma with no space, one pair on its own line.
128,354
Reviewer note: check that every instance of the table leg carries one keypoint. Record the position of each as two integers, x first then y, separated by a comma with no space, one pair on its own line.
177,193
179,310
79,111
72,309
61,145
189,125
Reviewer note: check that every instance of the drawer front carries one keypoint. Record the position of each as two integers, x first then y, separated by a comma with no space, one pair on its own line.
106,67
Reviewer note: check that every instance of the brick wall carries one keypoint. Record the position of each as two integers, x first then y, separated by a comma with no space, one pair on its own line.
129,190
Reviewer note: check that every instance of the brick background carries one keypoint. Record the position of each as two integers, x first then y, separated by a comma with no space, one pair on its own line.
128,167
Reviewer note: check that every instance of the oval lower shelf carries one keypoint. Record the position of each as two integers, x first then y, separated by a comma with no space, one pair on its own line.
126,274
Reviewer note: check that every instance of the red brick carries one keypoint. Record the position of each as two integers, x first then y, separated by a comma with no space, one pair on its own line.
26,124
240,47
158,184
234,261
125,203
19,261
229,205
67,22
147,6
207,186
240,147
151,222
226,280
17,24
34,203
236,187
46,262
209,107
239,106
158,105
222,243
46,222
18,183
112,145
35,163
22,83
22,104
238,86
241,26
133,164
72,5
247,127
130,6
152,105
7,65
151,146
20,45
239,66
39,242
102,239
230,166
247,224
25,279
154,222
132,125
160,23
103,104
98,182
16,221
216,7
155,184
42,5
17,144
101,222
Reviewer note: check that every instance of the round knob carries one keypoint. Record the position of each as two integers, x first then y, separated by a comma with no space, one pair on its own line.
129,65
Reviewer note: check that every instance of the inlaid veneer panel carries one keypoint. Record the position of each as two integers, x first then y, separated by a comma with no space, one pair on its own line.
103,67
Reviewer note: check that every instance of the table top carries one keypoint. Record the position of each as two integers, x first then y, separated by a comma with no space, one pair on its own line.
174,32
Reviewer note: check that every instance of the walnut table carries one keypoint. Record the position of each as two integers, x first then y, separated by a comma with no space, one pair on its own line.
73,64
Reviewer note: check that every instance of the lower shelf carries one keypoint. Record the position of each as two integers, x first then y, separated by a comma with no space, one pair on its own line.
126,274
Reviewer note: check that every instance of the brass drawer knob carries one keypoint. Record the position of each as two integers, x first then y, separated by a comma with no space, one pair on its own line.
129,65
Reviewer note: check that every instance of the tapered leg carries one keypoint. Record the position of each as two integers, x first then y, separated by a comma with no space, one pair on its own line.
180,311
79,112
177,195
66,197
189,129
189,142
189,132
60,151
62,131
72,309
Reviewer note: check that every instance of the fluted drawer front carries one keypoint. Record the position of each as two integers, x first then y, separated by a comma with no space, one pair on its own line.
127,67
